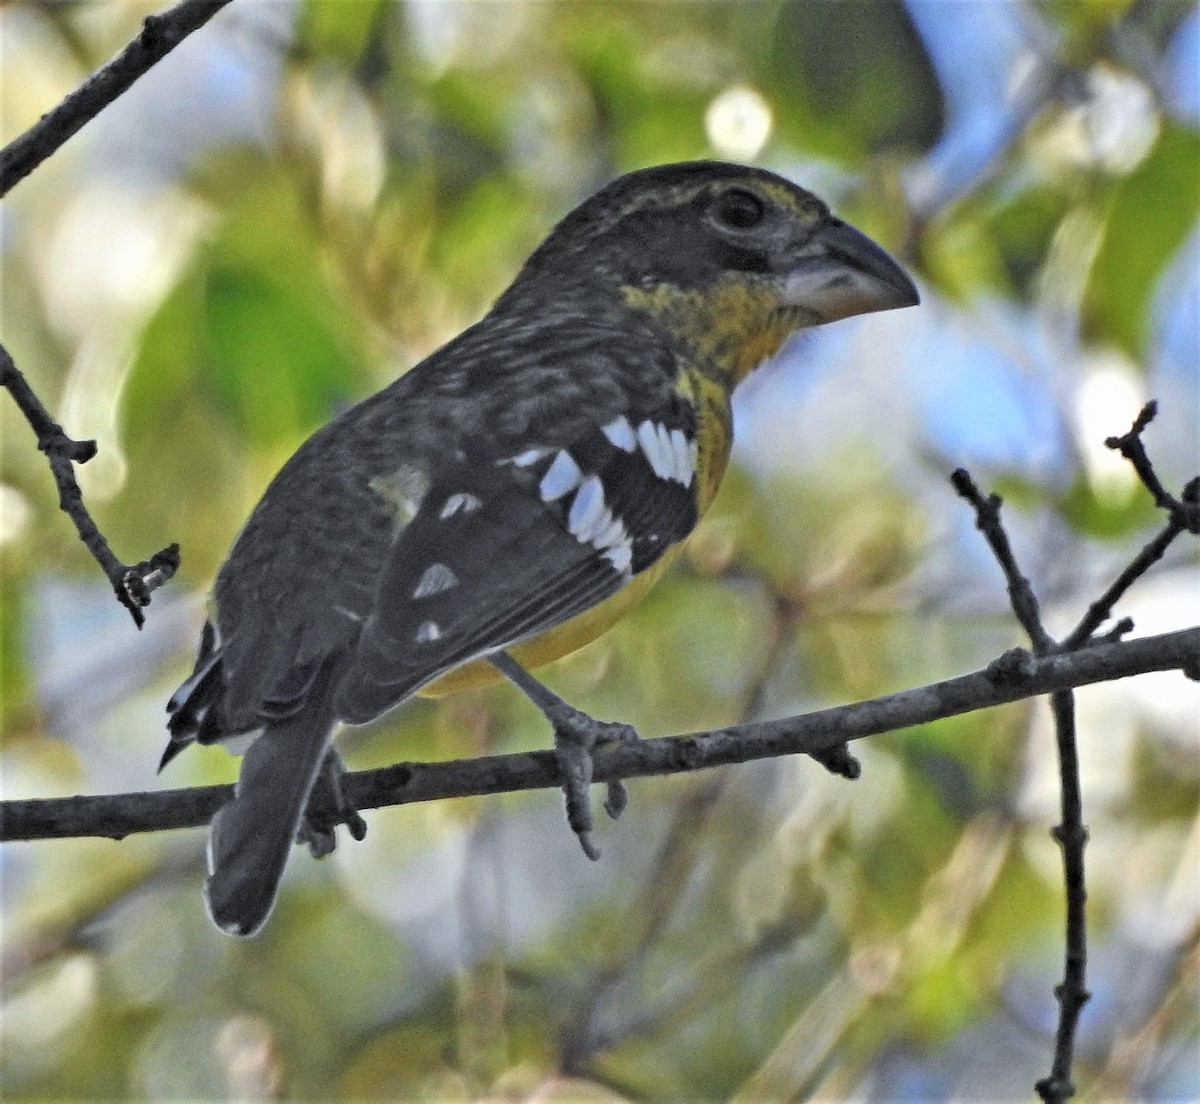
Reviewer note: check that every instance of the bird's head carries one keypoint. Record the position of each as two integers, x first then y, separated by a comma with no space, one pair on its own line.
732,258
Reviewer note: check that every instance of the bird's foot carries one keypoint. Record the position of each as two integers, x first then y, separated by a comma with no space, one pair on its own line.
576,736
328,806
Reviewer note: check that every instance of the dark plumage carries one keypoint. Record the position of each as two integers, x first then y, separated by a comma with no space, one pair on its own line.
516,479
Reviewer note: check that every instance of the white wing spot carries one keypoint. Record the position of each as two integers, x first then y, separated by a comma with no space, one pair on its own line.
610,532
664,444
614,543
529,456
459,504
683,457
620,433
620,556
586,508
427,632
656,447
561,478
591,522
668,452
648,440
437,578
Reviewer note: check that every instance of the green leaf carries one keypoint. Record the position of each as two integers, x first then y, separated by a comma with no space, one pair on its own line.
476,244
858,76
249,352
1153,211
943,999
15,686
651,115
1023,227
274,361
1101,516
963,256
333,28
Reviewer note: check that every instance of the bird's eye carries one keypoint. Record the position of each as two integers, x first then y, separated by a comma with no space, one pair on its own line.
739,209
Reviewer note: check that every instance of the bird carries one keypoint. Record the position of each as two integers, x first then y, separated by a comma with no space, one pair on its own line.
510,497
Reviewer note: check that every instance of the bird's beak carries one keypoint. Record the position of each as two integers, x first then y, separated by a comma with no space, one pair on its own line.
841,272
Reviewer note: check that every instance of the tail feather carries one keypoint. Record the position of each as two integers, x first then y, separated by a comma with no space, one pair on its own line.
195,708
208,659
251,837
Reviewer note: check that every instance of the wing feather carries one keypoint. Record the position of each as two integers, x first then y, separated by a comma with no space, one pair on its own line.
406,534
553,531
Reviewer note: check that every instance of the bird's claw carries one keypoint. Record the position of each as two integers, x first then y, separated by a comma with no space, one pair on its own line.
328,806
321,840
576,736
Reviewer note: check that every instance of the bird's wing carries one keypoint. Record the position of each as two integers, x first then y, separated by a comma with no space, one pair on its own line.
508,543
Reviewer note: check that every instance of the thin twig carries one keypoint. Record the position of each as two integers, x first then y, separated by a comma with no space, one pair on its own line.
1020,591
1130,446
132,585
119,815
160,34
1183,516
1071,835
1101,609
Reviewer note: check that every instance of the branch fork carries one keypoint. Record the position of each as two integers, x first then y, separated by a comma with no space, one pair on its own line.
1015,666
133,584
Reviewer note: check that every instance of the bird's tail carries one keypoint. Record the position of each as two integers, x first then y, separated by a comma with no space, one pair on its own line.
250,838
195,708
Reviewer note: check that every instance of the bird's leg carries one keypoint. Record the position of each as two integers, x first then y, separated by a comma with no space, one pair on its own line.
328,806
575,736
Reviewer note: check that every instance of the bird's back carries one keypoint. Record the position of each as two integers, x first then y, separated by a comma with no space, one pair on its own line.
302,577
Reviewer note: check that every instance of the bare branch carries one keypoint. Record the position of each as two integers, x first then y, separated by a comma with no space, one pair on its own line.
1101,609
1020,591
119,815
1070,833
1183,516
1131,447
160,34
132,585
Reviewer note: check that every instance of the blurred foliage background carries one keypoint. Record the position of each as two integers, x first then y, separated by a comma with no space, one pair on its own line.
307,197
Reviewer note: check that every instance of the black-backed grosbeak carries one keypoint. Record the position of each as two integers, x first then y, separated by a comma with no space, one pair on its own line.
510,497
